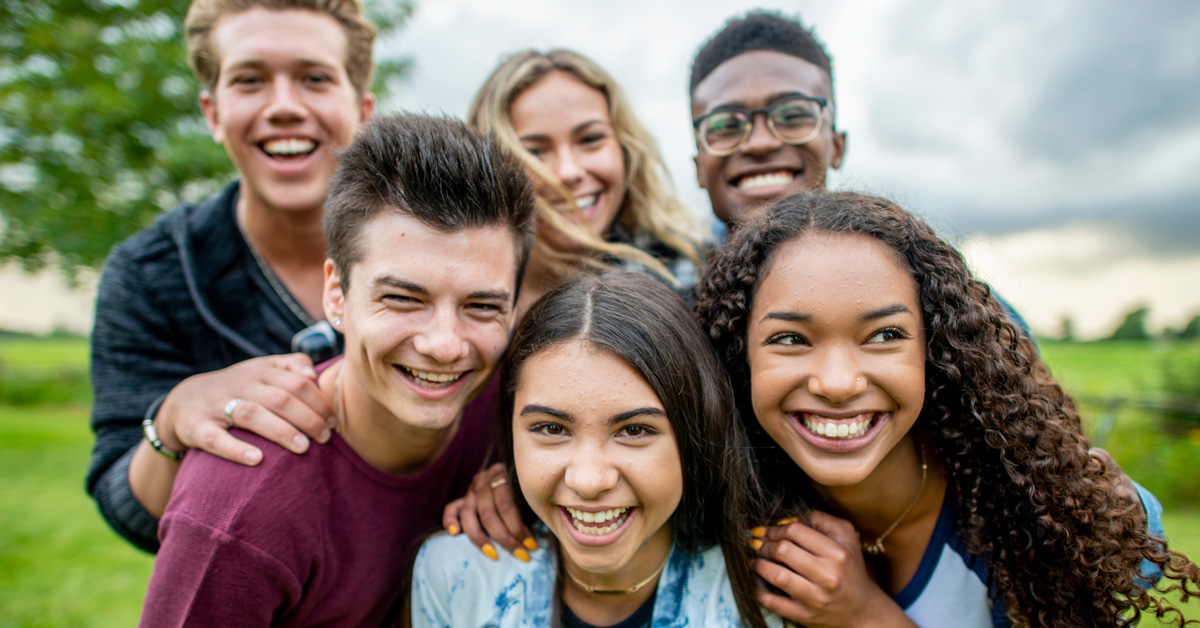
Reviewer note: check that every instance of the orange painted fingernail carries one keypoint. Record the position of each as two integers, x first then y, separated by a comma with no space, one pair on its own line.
783,522
453,530
756,543
522,555
530,544
490,552
758,531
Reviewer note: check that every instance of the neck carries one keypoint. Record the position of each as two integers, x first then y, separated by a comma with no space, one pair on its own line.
607,609
877,502
380,438
287,238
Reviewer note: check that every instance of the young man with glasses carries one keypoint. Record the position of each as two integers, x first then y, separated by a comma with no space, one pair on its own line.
763,64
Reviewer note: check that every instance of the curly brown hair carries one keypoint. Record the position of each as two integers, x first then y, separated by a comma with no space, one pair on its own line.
1065,542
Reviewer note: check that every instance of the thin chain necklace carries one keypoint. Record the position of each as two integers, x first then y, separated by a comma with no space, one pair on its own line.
875,547
275,282
633,589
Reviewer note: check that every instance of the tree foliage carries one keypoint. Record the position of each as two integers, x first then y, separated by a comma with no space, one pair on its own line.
1133,327
100,125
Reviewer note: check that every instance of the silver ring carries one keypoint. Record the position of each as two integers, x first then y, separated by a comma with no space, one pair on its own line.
500,482
230,407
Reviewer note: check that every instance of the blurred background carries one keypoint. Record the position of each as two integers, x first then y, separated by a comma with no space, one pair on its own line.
1057,143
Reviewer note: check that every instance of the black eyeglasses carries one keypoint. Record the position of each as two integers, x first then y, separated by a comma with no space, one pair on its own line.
794,119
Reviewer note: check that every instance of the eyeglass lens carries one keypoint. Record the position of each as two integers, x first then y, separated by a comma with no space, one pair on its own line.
793,121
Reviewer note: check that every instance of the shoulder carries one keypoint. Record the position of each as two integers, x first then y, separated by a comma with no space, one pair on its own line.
278,501
696,588
453,583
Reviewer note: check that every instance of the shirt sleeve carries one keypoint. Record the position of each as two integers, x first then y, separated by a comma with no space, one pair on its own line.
205,577
136,360
1154,527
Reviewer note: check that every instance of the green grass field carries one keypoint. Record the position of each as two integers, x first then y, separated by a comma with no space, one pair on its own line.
60,565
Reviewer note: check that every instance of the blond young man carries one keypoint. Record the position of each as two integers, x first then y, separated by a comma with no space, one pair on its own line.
194,312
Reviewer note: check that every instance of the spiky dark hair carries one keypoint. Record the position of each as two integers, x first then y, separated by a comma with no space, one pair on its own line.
759,30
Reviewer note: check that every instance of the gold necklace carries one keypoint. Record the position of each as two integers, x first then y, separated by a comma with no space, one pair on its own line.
874,548
633,589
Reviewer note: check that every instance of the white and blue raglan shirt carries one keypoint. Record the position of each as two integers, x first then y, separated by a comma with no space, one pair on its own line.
453,584
951,586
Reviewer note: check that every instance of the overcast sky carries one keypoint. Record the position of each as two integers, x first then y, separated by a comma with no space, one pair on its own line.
1057,142
1076,122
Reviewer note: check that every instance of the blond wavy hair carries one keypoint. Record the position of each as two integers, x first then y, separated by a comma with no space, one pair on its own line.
649,205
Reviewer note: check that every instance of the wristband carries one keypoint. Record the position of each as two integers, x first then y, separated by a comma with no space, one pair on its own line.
156,443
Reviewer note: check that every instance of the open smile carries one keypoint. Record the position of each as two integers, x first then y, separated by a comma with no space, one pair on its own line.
431,384
288,149
839,433
598,527
766,183
585,204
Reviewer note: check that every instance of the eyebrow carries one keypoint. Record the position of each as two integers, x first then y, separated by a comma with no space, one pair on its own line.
882,312
402,284
616,419
801,317
576,129
772,99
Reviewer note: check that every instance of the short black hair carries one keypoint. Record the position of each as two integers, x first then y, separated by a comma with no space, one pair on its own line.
759,30
440,171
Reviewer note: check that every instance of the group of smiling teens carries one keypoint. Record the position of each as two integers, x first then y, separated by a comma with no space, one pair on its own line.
843,428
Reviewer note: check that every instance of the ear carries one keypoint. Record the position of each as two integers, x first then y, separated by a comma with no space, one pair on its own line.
839,150
366,107
334,298
208,105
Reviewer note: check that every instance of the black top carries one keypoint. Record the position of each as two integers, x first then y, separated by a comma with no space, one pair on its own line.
181,297
639,619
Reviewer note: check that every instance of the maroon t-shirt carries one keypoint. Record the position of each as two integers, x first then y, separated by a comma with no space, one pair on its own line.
319,539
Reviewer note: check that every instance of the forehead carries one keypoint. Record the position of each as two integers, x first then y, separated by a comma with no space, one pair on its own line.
558,99
583,380
835,274
466,261
753,79
261,35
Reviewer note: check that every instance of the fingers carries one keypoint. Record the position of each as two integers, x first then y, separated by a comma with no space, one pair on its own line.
835,528
253,417
296,399
295,362
469,520
486,488
450,517
784,606
810,554
217,441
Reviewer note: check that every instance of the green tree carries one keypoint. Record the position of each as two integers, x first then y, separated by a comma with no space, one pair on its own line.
1133,327
100,126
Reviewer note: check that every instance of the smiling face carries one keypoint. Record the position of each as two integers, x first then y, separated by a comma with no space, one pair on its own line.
565,123
836,349
597,461
283,104
426,316
764,168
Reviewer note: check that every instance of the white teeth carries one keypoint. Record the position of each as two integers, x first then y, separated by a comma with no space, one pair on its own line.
433,380
292,146
840,428
765,180
580,517
586,202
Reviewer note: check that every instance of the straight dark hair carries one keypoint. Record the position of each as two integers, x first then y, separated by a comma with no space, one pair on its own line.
641,321
440,171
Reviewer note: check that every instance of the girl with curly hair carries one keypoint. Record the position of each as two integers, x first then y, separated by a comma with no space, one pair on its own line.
604,196
948,474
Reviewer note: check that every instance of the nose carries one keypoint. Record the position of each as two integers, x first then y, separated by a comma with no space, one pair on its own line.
761,139
590,473
567,168
285,101
441,339
838,377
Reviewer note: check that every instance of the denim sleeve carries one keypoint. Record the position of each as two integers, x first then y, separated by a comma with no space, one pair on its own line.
1154,527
